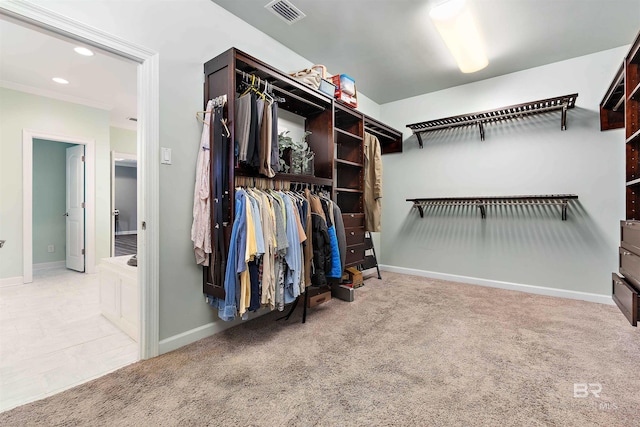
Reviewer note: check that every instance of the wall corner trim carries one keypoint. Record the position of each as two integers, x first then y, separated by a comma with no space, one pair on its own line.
539,290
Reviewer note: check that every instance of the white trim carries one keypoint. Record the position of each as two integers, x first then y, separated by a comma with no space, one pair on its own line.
55,95
539,290
148,149
48,265
126,233
27,197
204,331
11,281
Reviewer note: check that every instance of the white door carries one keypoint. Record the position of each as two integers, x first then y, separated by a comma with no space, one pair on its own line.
75,208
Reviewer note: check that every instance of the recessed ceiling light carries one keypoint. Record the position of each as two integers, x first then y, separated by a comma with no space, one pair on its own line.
83,51
60,80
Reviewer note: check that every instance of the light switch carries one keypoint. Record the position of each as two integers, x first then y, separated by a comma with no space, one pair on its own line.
165,156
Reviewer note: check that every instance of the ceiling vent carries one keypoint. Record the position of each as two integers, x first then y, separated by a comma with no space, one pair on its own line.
286,11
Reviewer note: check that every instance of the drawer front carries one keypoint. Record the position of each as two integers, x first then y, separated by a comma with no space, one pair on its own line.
355,254
630,235
352,220
630,266
355,236
626,298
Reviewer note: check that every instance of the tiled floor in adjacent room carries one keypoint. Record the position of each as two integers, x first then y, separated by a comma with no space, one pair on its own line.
53,337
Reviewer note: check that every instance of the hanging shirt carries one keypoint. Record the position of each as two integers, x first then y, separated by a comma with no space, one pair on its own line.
227,308
293,259
201,226
243,125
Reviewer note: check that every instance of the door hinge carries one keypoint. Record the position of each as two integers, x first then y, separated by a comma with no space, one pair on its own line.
83,158
144,225
83,252
82,205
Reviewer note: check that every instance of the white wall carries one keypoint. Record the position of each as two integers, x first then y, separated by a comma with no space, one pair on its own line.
186,34
529,156
18,111
123,140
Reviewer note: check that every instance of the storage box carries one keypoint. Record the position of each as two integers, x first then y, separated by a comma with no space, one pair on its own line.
319,298
355,276
345,89
327,87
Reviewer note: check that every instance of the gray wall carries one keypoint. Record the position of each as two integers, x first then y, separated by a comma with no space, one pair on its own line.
529,246
126,198
49,192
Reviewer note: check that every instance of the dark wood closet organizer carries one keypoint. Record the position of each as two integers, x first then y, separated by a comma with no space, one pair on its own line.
336,138
620,108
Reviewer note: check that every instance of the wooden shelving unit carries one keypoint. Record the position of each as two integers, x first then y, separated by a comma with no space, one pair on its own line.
620,108
337,135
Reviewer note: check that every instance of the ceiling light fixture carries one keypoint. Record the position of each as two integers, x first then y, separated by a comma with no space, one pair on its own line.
60,80
83,51
458,29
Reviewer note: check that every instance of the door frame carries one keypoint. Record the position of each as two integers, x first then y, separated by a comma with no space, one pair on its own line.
114,155
28,135
148,134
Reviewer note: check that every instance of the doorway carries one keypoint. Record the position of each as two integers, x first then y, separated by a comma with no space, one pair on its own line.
58,205
124,202
148,146
88,234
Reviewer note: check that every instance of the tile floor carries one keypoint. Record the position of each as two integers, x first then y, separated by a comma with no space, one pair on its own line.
53,337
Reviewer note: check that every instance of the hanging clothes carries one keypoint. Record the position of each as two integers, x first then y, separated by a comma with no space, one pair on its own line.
201,225
340,234
372,182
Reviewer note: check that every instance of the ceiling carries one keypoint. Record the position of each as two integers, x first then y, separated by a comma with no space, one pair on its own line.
31,57
393,51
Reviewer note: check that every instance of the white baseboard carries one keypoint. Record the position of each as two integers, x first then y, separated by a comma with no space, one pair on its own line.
47,265
124,233
540,290
173,343
11,281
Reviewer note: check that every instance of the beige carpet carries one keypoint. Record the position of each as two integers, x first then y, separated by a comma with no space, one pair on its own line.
409,351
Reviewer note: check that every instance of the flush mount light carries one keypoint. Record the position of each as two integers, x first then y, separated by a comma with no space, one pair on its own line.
83,51
60,80
457,27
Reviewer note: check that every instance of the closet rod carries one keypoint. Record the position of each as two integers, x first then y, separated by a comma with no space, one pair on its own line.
286,92
377,132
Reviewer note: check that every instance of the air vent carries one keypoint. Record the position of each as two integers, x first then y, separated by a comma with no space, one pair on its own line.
286,11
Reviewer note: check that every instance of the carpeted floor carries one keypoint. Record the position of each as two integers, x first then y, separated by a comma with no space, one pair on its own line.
409,351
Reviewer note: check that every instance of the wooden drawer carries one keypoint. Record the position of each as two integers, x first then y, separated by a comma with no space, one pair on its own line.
629,266
626,298
352,220
355,254
630,235
355,236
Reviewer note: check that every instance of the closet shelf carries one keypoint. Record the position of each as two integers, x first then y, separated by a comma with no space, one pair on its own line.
348,163
290,177
481,203
634,136
562,103
635,93
347,190
633,182
350,135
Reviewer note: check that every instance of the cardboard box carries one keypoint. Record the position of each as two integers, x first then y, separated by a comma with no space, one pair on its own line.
355,276
319,299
